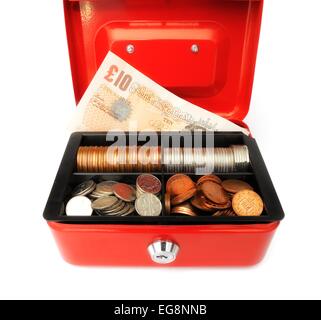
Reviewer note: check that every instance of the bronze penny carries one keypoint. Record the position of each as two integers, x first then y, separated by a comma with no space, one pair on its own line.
179,184
199,204
79,160
214,206
124,192
247,203
183,197
167,203
210,177
214,192
218,213
222,206
149,183
225,213
234,186
206,203
184,209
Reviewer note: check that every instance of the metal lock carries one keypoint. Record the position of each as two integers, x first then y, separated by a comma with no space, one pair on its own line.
163,252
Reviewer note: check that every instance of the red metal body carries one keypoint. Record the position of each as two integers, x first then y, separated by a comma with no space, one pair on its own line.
121,245
218,78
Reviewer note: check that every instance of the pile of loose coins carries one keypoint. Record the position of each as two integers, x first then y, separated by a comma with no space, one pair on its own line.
206,196
211,196
111,198
155,159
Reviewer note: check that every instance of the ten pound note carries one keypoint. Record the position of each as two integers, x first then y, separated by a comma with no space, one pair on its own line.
122,98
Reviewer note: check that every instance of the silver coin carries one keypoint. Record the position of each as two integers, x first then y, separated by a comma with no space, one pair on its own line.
139,192
209,160
123,210
119,204
241,157
148,205
84,188
188,160
95,196
105,188
79,206
168,160
174,160
104,203
115,209
180,157
130,210
218,160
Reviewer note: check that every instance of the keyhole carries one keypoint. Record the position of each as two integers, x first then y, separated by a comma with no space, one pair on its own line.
162,257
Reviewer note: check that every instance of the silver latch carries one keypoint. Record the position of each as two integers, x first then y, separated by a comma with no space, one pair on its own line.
163,252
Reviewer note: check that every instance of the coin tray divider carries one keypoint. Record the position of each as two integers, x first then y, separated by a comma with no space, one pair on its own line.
68,177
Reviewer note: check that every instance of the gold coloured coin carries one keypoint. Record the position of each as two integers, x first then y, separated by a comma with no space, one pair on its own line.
247,203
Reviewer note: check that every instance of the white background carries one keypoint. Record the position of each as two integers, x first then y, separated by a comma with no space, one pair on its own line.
36,103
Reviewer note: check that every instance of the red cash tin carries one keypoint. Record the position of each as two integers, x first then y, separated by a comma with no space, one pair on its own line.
205,52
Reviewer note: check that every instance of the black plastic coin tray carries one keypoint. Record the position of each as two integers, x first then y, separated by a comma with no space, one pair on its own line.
68,177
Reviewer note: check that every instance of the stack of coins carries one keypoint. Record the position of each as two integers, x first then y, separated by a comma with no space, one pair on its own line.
119,159
210,196
154,159
232,159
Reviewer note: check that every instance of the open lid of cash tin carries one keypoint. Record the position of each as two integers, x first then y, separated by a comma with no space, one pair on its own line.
202,50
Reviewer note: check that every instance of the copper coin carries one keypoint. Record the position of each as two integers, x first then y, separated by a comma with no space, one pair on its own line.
149,183
183,197
206,203
198,203
178,184
84,159
247,203
184,209
167,203
214,192
210,177
218,213
234,186
124,192
225,213
226,205
79,162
